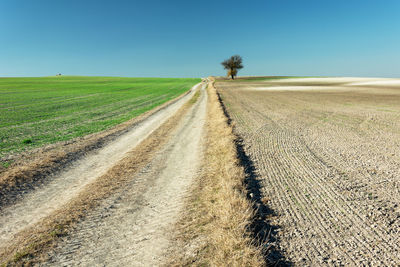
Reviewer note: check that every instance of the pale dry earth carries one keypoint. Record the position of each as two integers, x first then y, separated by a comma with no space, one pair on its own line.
66,185
133,227
328,158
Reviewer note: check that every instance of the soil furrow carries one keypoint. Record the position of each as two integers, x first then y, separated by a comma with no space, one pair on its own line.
323,206
290,162
305,211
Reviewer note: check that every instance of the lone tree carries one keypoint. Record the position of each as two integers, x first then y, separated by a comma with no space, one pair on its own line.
232,65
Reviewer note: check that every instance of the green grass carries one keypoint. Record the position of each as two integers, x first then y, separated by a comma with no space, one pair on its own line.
38,111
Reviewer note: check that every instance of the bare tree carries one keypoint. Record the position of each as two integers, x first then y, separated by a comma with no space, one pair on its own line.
232,65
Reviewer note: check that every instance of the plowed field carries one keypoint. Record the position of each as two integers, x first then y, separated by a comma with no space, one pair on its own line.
327,153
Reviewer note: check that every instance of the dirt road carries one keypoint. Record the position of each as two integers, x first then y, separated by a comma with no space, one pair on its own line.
131,228
326,153
130,225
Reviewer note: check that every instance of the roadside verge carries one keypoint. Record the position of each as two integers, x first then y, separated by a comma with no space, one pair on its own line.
214,229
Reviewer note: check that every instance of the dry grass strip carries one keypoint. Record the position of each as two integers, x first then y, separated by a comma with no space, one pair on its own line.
33,167
214,229
30,246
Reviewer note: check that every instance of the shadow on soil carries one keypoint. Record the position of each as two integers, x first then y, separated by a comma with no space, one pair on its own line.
263,232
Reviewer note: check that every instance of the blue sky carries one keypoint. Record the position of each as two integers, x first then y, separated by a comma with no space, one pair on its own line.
190,38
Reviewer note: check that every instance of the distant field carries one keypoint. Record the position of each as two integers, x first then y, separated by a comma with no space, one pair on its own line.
38,111
258,78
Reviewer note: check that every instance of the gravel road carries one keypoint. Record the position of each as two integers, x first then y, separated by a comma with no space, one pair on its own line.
131,228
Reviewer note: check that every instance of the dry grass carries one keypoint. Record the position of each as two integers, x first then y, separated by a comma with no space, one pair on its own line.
214,229
35,166
30,246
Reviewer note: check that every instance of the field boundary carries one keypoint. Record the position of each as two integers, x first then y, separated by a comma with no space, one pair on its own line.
31,246
215,226
33,168
262,230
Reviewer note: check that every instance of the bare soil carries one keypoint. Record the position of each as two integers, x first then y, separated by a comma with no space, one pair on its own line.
327,154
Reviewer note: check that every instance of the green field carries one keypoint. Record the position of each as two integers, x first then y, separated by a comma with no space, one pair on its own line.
38,111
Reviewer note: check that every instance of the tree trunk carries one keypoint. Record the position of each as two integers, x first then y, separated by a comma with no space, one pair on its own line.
233,76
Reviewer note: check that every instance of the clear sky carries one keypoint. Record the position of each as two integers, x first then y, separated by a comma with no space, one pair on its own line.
190,38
